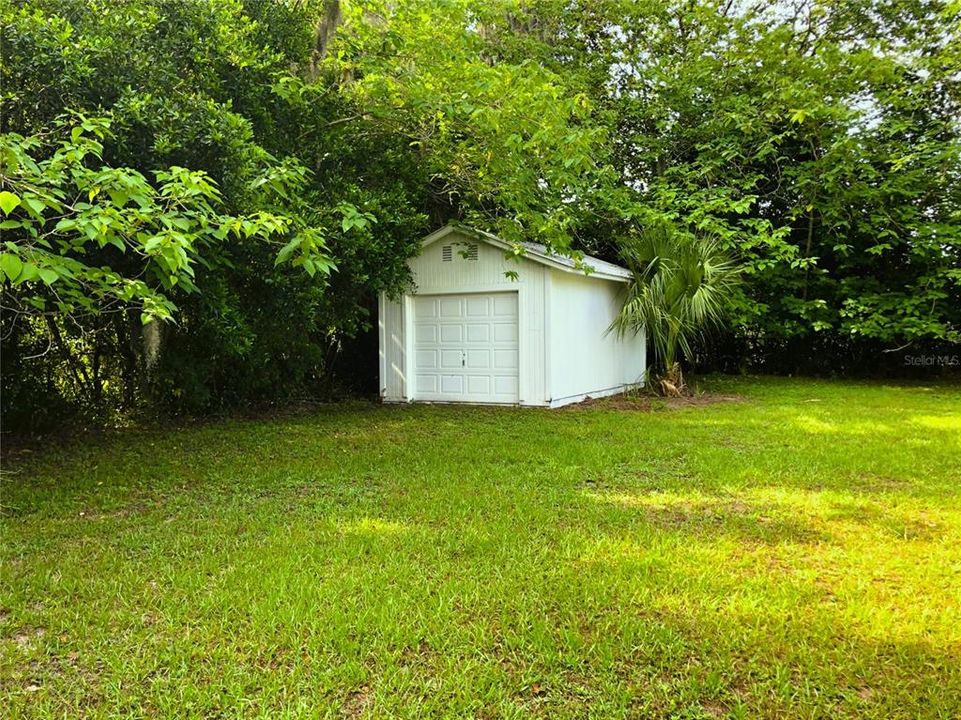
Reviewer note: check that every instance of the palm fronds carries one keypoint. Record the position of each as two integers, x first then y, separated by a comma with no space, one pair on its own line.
682,286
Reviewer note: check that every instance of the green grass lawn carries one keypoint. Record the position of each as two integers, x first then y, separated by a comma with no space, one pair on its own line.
795,554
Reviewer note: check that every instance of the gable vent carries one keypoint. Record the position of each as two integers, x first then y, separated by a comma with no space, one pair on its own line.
447,253
470,253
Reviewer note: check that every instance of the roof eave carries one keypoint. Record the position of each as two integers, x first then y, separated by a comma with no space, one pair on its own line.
537,256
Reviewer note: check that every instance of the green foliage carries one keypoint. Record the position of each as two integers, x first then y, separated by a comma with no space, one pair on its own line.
817,142
176,79
72,229
829,166
682,286
488,133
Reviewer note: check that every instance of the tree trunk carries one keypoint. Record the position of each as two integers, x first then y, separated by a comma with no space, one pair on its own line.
672,381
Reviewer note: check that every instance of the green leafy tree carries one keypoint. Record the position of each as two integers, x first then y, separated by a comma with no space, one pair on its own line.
830,165
818,142
508,143
187,85
70,221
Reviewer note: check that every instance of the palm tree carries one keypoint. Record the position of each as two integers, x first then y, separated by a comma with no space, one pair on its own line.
683,284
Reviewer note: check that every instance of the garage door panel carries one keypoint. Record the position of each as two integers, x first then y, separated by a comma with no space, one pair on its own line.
466,348
505,359
452,334
478,333
426,359
478,306
424,333
479,385
426,384
426,308
504,332
505,305
451,359
478,359
452,384
505,385
451,308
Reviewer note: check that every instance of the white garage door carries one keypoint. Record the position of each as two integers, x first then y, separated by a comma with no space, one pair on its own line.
465,348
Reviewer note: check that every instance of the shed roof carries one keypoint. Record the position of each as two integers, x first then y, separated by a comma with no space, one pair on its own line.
598,268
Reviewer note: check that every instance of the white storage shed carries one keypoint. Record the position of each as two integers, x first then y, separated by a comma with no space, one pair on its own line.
486,326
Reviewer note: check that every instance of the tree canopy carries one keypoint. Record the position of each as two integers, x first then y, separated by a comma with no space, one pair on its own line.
246,176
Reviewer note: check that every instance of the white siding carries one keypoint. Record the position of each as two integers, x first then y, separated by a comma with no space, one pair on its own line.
392,349
564,350
586,359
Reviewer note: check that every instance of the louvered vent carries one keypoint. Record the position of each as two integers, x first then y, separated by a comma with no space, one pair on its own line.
467,252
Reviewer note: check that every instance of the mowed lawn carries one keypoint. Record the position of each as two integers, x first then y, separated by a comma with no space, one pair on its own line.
793,554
